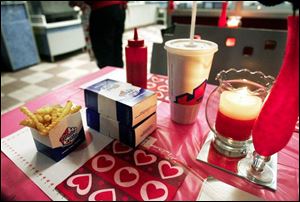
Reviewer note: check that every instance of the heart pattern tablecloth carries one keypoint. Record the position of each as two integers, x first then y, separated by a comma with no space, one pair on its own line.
159,84
119,172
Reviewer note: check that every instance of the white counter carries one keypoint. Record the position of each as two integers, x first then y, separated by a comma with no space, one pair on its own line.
140,15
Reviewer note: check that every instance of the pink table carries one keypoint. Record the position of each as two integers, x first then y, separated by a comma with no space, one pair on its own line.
181,143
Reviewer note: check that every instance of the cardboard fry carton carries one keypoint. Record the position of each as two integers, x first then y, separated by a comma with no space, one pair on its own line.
120,101
130,135
65,137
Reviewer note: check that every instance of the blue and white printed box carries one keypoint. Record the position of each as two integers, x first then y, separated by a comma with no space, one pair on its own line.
120,101
132,136
64,138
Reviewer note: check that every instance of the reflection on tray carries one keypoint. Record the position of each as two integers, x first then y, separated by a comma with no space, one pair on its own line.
209,155
214,157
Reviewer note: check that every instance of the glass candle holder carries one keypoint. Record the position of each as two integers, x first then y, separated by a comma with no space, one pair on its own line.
232,108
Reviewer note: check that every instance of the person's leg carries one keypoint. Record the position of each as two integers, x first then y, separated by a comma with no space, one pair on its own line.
118,35
102,30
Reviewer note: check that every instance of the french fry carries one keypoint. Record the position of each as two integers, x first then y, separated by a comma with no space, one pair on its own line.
38,125
51,125
45,118
54,114
45,132
66,110
54,117
39,117
75,109
27,122
44,110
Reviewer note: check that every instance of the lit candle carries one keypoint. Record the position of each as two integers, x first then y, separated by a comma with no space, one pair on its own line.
238,110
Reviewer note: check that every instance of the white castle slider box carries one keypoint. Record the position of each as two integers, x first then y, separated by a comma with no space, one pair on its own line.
132,136
120,101
62,139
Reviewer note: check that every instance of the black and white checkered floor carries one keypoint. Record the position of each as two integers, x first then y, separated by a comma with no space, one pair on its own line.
19,87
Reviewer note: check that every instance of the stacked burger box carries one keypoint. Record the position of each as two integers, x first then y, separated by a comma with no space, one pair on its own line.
121,110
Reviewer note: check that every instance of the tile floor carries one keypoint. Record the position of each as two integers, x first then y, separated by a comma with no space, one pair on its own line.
19,87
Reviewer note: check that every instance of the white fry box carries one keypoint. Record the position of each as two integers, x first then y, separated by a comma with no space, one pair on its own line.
62,139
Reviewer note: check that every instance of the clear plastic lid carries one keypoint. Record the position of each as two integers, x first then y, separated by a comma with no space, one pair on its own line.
184,47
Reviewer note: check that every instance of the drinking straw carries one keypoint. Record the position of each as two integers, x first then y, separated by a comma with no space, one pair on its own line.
193,22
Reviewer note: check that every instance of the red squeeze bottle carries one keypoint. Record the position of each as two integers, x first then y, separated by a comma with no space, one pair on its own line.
136,61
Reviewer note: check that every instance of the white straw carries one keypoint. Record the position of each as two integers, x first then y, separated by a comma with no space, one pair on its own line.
193,22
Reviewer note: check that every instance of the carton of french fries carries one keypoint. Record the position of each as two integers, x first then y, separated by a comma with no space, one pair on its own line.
56,130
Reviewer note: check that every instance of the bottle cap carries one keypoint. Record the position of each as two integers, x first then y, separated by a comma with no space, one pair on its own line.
135,42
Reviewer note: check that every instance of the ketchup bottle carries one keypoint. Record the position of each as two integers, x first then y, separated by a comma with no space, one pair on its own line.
136,61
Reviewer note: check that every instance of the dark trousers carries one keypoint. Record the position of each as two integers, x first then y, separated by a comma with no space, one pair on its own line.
106,30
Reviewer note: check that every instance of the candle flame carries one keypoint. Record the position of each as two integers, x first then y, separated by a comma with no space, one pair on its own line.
243,91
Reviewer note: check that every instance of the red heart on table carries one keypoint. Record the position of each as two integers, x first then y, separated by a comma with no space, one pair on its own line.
154,191
151,85
103,195
159,94
141,158
126,176
82,182
167,171
163,88
156,79
103,163
119,148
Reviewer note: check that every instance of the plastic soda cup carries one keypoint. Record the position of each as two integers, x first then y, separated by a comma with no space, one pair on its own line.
188,70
